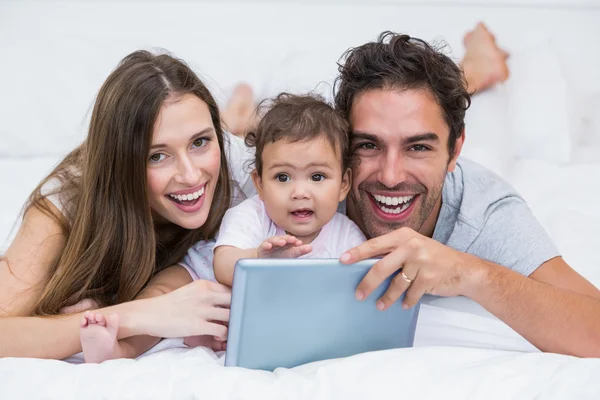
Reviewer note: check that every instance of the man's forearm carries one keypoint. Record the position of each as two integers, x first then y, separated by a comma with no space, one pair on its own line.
552,319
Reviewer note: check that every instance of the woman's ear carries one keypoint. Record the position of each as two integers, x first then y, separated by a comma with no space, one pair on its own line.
257,183
346,184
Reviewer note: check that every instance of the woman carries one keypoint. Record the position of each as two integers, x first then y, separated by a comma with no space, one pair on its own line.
150,180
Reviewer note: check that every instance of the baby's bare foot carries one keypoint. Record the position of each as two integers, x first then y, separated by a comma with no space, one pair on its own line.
98,337
484,63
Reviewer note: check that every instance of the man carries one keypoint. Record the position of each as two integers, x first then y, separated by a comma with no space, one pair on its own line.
450,226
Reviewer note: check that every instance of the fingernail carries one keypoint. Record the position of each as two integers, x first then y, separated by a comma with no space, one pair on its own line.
345,257
405,306
380,305
359,295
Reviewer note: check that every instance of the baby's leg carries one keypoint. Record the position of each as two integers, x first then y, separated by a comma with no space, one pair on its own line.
98,337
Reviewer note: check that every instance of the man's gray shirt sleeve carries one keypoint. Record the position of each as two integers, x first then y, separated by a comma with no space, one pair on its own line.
512,237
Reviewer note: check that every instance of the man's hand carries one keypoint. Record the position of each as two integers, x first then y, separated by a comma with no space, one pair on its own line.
426,265
282,247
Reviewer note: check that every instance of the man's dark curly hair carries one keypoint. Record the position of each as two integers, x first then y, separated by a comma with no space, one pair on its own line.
401,62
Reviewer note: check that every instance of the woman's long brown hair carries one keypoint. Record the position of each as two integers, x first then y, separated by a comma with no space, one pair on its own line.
113,247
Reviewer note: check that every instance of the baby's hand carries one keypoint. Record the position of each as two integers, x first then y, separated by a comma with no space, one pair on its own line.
283,247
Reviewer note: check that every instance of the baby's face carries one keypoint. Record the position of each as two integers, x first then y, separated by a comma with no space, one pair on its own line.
301,185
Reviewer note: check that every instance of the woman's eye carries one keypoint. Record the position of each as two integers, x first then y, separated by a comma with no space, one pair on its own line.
158,157
200,142
282,178
317,177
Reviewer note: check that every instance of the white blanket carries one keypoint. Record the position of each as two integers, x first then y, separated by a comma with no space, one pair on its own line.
420,372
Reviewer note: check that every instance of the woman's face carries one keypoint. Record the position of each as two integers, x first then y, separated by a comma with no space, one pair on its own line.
183,163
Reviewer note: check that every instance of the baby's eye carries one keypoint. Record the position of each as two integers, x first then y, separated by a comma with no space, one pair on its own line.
282,178
157,157
317,177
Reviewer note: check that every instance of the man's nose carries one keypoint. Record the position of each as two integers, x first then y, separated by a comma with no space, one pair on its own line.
392,170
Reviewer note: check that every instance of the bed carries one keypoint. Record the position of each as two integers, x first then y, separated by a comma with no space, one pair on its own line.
540,131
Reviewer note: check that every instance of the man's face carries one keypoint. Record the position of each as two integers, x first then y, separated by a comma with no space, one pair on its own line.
400,160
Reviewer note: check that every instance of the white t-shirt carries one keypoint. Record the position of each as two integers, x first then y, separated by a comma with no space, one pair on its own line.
247,225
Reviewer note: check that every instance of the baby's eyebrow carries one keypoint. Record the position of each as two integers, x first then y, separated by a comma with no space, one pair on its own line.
309,165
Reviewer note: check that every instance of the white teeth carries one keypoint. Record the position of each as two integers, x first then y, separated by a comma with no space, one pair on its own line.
392,201
188,197
394,210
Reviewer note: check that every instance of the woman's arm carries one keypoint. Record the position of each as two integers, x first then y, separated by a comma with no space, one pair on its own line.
164,282
24,268
183,312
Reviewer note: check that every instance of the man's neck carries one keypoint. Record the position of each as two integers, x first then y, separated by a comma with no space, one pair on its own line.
428,226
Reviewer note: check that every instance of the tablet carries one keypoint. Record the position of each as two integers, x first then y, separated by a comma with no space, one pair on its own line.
289,312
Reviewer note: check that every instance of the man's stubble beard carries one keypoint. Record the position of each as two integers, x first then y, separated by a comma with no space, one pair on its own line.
374,227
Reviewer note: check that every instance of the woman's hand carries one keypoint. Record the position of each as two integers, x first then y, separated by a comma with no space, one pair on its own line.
198,308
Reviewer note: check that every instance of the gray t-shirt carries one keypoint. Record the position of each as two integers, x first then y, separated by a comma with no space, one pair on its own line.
483,215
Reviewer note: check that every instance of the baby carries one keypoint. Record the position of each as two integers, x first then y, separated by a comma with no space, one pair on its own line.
301,174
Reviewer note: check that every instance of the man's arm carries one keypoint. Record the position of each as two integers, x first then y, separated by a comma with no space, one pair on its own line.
556,309
563,319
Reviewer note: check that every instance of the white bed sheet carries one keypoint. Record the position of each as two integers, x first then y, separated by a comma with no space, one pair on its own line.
420,372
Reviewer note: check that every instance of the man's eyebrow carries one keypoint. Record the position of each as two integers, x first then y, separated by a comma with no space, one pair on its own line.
194,137
424,137
363,136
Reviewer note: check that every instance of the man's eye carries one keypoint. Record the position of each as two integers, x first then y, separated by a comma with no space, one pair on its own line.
282,178
419,147
317,177
158,157
367,146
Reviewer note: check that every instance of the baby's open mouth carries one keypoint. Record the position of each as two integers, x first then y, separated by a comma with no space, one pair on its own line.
302,213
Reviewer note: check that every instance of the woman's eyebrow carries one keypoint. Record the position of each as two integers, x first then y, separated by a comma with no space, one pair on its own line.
202,132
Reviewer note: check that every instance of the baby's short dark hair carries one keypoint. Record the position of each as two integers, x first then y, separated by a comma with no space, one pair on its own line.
299,118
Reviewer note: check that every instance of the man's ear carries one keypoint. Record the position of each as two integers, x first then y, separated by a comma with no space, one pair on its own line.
458,145
257,183
346,184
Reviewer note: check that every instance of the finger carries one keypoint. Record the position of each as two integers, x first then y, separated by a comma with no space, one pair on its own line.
217,287
398,286
279,241
218,314
266,246
377,246
220,299
83,322
290,239
414,294
214,329
380,271
299,251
